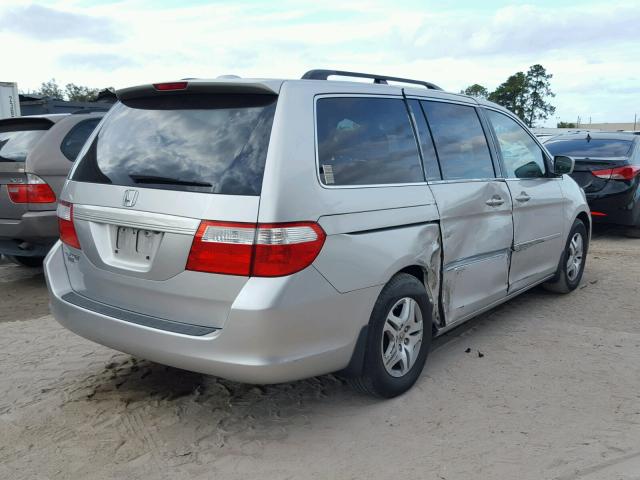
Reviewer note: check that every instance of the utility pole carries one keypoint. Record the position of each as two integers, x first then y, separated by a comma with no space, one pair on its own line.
635,120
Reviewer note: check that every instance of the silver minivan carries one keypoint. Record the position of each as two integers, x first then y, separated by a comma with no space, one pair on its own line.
270,230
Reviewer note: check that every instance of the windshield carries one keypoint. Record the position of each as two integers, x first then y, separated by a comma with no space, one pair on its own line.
199,143
16,145
593,148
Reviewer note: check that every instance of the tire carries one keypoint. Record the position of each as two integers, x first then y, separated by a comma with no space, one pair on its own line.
632,232
568,278
31,262
406,352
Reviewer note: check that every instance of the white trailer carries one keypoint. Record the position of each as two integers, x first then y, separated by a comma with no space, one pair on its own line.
9,101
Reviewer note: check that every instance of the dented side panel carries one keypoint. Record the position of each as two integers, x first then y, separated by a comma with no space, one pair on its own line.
477,236
366,249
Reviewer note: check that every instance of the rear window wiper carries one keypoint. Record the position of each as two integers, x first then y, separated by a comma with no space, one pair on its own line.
159,180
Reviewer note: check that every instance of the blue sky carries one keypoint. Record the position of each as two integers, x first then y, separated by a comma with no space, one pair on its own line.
590,47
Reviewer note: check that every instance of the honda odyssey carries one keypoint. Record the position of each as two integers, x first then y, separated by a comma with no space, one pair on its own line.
270,230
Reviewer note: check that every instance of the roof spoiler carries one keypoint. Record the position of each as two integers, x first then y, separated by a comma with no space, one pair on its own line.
19,121
380,79
267,87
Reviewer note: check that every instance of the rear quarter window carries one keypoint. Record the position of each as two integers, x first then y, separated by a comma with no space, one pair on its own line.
366,141
208,143
75,138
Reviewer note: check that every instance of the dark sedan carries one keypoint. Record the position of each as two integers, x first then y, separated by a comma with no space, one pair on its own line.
608,169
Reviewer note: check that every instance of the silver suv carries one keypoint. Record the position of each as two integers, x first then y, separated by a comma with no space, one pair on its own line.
36,154
271,230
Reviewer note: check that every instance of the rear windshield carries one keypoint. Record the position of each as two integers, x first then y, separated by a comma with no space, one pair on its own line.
198,143
593,148
17,142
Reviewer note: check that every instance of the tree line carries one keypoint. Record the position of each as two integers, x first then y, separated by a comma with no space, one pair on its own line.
70,92
525,94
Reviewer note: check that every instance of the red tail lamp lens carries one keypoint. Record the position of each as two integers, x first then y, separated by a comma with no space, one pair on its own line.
66,227
628,172
261,250
36,190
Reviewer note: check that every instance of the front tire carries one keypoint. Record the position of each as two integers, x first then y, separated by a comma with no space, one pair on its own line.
572,261
398,340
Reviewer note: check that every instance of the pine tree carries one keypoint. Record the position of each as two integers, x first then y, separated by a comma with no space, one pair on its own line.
536,107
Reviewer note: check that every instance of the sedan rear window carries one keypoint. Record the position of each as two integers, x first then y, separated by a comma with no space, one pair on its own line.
16,143
592,148
199,143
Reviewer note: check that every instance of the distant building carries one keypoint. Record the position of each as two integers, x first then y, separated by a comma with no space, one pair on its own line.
31,104
610,127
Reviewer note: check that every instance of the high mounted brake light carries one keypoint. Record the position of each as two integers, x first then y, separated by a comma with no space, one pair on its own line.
170,86
260,250
66,227
36,190
628,172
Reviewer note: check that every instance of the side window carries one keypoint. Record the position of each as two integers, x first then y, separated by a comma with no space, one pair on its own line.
521,156
366,141
460,141
430,160
75,138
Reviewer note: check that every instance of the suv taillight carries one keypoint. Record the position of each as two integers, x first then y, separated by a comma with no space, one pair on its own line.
621,173
262,250
36,190
66,228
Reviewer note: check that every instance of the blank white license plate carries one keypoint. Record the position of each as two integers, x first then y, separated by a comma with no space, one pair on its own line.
134,242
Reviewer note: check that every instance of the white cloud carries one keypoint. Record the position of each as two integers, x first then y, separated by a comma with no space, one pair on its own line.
588,49
46,24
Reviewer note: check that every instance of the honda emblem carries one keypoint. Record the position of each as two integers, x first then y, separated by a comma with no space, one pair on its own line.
130,198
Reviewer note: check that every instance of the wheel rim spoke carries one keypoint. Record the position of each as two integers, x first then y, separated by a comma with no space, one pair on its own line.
575,256
402,337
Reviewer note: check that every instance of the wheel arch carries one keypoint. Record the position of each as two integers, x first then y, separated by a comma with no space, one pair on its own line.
586,219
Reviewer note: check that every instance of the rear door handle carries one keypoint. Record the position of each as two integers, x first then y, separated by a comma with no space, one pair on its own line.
495,201
523,197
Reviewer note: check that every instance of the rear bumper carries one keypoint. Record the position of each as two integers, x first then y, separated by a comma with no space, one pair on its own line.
618,207
31,235
275,332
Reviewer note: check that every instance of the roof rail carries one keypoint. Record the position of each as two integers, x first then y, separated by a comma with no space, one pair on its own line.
381,79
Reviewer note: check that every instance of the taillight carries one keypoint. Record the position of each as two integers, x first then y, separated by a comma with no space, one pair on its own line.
220,247
628,172
36,190
65,224
262,250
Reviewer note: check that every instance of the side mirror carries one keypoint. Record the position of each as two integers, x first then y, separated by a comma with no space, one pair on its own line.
563,165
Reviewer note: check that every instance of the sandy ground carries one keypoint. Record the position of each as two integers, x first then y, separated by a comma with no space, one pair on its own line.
555,396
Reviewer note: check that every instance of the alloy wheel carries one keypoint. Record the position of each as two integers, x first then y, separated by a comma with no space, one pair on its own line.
576,253
402,337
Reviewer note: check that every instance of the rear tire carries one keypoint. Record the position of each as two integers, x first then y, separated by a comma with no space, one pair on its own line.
572,261
632,232
398,340
31,262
